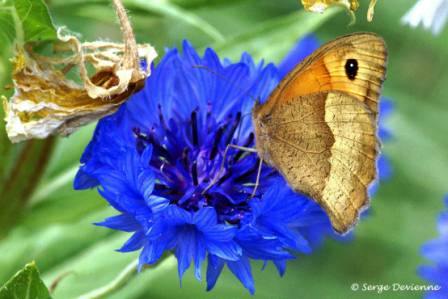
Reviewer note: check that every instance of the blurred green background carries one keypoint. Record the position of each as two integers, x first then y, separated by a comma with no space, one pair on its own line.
43,219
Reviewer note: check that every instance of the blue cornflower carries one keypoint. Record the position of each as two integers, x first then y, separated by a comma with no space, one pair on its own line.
153,161
437,252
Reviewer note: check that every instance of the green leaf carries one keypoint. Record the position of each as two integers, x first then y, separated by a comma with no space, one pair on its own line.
53,244
156,7
273,39
26,284
168,9
200,3
26,21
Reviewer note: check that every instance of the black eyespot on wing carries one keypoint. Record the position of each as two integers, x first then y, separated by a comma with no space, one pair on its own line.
351,68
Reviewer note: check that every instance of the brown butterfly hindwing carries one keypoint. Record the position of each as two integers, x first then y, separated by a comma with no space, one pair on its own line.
318,128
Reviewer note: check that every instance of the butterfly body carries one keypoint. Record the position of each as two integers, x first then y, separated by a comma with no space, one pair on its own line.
318,128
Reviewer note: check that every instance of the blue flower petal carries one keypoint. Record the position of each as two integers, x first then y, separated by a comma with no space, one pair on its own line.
437,252
222,233
123,222
177,216
156,203
242,270
135,242
229,251
281,266
186,247
214,269
151,253
205,217
199,256
84,181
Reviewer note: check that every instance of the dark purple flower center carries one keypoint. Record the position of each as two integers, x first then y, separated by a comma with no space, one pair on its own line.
188,162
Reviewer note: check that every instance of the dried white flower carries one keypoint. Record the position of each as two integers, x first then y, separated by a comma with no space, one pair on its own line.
432,14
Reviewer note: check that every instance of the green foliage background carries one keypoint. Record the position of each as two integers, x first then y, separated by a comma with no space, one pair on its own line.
54,227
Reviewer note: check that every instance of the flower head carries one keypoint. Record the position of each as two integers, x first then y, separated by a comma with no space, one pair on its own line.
437,252
433,14
156,159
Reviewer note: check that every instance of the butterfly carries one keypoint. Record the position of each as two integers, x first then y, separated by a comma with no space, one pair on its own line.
318,128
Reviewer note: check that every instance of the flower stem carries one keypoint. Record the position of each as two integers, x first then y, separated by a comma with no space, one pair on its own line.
166,262
120,281
21,179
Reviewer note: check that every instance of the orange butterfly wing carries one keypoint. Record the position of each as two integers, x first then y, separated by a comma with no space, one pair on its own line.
325,70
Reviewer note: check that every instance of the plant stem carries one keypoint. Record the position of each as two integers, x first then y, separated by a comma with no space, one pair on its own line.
166,262
19,183
121,280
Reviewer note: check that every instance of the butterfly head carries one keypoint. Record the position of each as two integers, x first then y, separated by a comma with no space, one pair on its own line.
260,121
257,117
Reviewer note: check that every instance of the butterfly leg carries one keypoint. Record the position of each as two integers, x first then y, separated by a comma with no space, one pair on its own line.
218,174
257,181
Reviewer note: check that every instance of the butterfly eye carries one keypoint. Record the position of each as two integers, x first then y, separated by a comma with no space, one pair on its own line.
351,68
